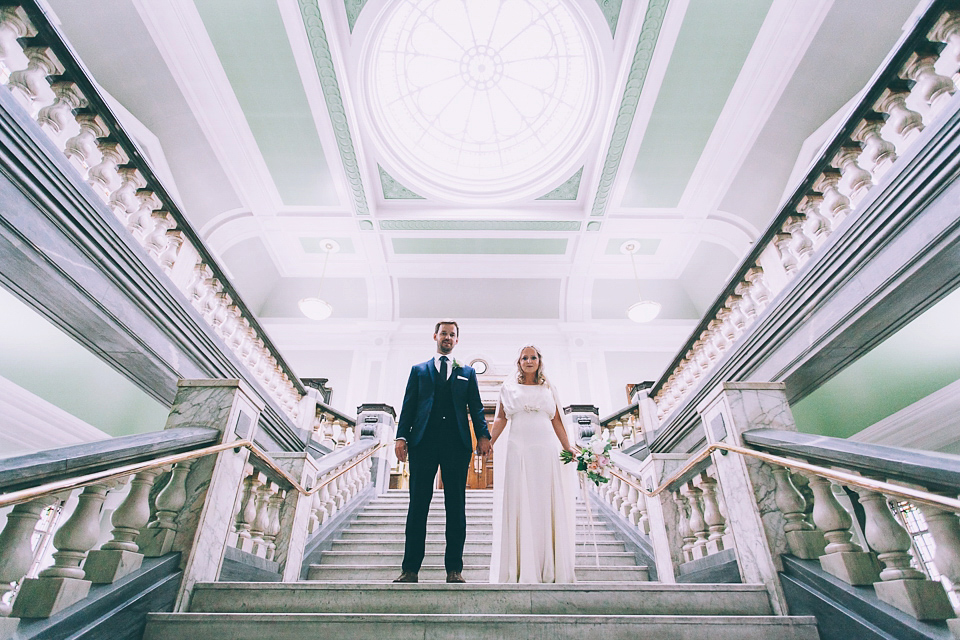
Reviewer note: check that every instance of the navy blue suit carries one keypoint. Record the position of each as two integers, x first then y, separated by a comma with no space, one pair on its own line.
433,421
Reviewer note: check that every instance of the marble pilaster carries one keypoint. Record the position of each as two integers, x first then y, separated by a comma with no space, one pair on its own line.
214,482
757,524
295,513
378,421
662,513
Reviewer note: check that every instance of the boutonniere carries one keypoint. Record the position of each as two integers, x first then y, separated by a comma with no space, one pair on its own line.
457,364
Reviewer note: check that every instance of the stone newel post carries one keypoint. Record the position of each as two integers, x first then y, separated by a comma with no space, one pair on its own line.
378,421
212,483
747,485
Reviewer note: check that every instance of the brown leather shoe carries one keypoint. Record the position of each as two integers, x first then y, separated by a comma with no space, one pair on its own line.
408,576
455,576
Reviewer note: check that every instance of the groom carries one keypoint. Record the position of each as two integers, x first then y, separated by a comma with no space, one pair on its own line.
433,431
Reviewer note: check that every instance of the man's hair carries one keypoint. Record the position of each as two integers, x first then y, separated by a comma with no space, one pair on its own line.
436,329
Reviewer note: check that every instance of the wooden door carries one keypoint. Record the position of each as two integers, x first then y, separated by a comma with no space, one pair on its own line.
480,474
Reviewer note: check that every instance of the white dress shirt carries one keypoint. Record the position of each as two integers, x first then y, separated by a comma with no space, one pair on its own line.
436,363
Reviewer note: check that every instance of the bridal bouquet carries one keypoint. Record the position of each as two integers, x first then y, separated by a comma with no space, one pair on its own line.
593,460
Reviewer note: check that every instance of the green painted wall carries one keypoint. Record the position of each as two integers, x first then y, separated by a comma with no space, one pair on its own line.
921,358
37,356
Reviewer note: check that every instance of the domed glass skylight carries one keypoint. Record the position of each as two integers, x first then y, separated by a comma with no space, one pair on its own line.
481,99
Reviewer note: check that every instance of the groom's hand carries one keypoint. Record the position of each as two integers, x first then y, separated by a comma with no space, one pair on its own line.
484,447
400,448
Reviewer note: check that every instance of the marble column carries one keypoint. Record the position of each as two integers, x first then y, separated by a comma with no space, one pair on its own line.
215,481
757,525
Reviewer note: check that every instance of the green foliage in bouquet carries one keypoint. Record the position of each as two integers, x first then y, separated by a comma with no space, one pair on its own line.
593,460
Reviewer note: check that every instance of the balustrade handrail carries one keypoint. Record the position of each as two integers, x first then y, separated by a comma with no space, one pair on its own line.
22,472
69,484
866,103
893,490
929,469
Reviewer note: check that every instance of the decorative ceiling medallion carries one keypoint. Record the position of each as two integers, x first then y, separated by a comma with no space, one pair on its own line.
481,100
393,190
568,190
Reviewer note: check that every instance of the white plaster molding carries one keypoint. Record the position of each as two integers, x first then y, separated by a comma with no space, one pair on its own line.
29,423
182,40
932,424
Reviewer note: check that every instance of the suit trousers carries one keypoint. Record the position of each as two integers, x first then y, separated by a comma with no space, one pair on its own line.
443,449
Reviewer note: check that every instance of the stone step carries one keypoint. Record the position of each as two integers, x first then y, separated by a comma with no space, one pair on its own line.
471,573
435,534
439,518
393,558
295,626
639,598
471,547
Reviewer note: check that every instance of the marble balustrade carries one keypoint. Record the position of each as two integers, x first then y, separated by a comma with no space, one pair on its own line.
36,77
909,99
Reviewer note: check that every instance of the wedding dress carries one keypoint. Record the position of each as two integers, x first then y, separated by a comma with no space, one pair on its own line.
534,514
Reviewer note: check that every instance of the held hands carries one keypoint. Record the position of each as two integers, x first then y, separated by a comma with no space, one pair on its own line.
400,448
484,448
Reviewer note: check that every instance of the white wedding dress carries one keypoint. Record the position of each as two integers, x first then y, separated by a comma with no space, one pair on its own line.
534,509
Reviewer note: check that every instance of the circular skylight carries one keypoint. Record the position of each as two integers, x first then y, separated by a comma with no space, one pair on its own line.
481,99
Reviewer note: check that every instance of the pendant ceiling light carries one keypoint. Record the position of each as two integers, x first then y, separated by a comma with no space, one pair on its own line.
317,308
642,310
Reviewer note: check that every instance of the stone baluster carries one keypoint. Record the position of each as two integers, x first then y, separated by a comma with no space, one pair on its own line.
878,154
29,85
612,493
158,241
931,90
273,527
816,226
947,31
221,311
105,176
802,537
854,180
163,528
63,583
835,206
683,528
82,150
745,304
316,513
14,24
57,120
901,585
262,520
623,495
643,522
16,548
842,557
903,123
247,511
698,525
329,498
944,527
718,338
716,523
336,491
124,201
630,510
789,261
801,245
141,221
230,329
120,556
758,291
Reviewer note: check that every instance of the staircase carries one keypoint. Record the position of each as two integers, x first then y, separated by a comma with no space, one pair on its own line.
349,595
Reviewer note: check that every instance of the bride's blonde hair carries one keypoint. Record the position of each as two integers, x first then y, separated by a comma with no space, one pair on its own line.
539,377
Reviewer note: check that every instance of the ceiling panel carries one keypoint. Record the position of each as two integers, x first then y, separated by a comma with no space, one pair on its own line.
611,298
474,246
348,296
534,298
692,96
253,48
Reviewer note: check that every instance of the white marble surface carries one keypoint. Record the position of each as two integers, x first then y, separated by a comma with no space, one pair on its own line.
295,514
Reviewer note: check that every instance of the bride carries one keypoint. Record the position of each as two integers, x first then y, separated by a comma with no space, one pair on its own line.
534,521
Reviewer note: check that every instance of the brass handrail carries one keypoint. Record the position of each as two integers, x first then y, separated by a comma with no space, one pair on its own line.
69,484
894,490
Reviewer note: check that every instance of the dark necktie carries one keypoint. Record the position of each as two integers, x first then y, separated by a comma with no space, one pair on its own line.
443,368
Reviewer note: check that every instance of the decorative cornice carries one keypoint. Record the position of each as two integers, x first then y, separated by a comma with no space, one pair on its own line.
479,225
568,190
646,44
354,7
393,190
610,9
320,47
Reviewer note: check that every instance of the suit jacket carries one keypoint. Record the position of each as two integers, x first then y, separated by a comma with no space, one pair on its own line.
418,402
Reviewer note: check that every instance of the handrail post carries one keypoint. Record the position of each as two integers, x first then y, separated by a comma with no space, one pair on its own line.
378,421
757,524
214,481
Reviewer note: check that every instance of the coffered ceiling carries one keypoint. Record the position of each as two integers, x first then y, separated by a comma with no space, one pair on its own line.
678,123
